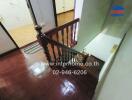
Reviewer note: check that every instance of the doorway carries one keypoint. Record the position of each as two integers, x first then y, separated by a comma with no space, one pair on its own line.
64,11
16,18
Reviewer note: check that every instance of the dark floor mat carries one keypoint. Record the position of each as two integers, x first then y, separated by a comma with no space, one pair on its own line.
31,49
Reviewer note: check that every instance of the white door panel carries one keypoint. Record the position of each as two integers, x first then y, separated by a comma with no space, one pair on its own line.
68,5
64,5
59,6
44,13
6,44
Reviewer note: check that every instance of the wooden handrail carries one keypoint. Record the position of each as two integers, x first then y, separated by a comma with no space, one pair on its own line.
64,34
48,40
52,31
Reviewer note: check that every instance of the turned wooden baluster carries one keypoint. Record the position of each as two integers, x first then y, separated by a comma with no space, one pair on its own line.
75,25
67,31
71,34
57,37
53,51
43,42
62,34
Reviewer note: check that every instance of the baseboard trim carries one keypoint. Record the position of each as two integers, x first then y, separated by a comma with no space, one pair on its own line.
6,53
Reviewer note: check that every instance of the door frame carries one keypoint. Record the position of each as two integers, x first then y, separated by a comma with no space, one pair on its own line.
55,12
29,5
17,47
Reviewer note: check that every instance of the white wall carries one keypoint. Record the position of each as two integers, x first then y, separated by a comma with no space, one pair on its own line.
14,13
6,43
64,5
44,13
78,8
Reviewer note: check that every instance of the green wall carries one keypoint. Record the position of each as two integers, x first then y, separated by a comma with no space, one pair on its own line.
120,74
117,26
94,13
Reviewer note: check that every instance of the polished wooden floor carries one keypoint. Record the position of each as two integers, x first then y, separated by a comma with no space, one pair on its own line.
25,77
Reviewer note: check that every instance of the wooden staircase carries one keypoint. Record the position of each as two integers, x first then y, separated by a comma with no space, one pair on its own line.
58,46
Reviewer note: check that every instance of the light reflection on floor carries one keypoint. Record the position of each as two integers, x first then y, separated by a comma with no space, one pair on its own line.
38,68
67,88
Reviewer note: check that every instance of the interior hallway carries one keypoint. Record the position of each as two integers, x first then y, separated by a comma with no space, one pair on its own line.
27,34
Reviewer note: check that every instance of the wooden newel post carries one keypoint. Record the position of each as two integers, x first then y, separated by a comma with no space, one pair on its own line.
43,41
38,29
39,35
